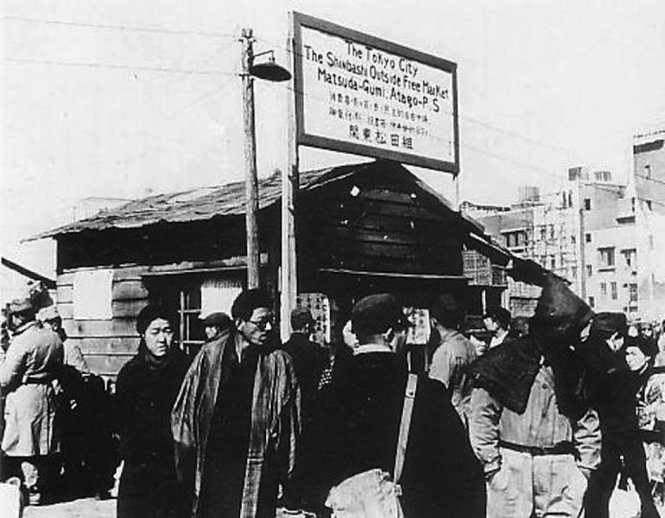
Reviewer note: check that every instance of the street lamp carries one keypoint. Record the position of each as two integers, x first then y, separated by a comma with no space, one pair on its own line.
269,71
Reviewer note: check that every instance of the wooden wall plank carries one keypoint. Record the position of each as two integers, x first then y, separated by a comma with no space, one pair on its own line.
128,308
126,289
107,365
121,327
107,346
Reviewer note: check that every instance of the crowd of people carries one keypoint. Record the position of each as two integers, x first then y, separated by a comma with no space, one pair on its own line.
537,418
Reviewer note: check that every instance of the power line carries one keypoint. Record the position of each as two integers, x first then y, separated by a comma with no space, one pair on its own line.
467,118
119,67
158,30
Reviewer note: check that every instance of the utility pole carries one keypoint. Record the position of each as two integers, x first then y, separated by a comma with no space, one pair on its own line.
582,261
251,181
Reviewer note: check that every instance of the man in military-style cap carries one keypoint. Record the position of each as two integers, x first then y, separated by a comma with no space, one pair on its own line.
614,377
537,440
34,355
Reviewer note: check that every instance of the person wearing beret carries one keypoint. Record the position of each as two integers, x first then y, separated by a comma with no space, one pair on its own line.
614,377
360,428
146,389
31,435
535,435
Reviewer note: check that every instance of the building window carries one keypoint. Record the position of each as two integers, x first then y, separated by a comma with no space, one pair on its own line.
573,272
573,240
553,262
515,239
615,292
648,204
606,257
629,255
603,289
587,237
647,171
589,270
587,203
632,293
603,176
592,302
191,333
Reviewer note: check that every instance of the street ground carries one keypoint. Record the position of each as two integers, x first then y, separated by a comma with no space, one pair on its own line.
81,508
91,508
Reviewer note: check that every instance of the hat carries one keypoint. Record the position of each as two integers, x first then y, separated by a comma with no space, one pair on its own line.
300,317
376,314
609,323
48,313
218,319
19,305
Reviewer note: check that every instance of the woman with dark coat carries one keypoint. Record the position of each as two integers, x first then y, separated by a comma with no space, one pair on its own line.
145,392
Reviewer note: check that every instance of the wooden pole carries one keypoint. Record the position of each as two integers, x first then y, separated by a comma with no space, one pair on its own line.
289,280
251,181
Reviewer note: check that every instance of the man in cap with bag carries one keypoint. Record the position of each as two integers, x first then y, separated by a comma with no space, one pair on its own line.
440,475
536,438
614,377
27,374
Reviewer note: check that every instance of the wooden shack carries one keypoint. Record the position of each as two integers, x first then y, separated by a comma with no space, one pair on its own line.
360,229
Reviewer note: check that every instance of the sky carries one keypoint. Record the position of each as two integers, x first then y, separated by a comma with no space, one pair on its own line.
125,98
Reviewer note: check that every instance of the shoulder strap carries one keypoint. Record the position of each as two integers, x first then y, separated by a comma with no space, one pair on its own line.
409,396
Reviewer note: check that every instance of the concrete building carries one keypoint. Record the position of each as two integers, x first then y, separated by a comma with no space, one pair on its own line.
601,234
584,232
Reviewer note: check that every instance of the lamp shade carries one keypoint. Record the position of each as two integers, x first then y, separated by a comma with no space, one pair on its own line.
270,71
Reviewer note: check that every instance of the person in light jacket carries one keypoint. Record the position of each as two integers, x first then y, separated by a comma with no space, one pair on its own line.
533,432
27,377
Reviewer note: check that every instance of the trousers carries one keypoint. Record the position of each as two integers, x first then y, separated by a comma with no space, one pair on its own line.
603,480
536,486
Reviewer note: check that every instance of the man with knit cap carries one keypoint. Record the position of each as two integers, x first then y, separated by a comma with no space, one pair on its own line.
536,438
614,377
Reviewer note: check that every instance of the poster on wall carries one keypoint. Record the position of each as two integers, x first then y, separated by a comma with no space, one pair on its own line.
359,94
319,305
92,294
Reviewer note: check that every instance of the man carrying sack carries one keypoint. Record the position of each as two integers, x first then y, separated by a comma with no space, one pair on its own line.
367,421
536,437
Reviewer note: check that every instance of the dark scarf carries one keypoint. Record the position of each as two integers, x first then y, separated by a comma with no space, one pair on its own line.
156,363
508,371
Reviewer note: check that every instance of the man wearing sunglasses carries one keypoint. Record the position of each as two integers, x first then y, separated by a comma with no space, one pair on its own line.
236,418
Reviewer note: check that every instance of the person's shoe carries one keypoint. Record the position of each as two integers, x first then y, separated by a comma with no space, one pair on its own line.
34,498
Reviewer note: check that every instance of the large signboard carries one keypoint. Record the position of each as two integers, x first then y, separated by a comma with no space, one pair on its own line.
363,95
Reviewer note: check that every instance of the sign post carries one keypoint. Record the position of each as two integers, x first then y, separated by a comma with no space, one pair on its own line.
290,181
